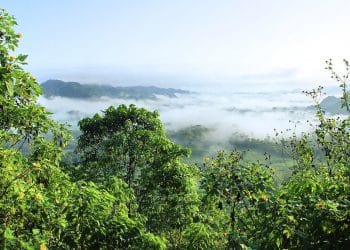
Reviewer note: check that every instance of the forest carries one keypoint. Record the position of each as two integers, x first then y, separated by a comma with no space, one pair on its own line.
131,185
77,90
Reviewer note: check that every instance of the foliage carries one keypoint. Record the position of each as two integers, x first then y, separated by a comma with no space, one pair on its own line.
239,190
130,143
202,236
310,210
39,206
31,185
317,194
189,136
124,140
131,189
99,218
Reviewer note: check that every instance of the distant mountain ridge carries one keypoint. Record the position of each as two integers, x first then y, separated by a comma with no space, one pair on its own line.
332,105
83,91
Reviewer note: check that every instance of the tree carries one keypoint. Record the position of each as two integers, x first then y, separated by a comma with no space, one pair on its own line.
122,143
313,205
99,219
28,181
39,206
130,143
238,190
315,201
309,210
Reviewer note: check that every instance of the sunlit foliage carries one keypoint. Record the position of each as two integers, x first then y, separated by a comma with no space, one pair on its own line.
130,188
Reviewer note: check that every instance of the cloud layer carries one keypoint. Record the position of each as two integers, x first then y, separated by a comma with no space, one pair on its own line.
256,114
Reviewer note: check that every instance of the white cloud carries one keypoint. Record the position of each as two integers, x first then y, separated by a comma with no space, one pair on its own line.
252,113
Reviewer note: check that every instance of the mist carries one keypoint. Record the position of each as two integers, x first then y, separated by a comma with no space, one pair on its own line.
257,114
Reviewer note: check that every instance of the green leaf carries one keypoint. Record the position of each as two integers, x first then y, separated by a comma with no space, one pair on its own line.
8,234
22,58
36,231
9,86
278,242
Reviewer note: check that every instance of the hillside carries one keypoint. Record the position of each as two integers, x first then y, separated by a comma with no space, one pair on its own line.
332,105
77,90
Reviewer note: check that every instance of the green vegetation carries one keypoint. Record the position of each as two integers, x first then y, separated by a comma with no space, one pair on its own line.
273,152
77,90
195,138
40,207
129,186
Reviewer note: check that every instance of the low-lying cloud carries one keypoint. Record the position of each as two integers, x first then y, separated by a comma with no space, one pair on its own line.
226,112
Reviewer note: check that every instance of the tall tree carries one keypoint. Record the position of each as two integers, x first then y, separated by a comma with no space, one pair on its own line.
39,206
123,142
30,184
130,143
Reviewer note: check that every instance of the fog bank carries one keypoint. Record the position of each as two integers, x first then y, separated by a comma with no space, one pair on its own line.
257,114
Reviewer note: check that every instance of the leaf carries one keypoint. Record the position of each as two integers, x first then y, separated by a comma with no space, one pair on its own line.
287,233
36,231
291,218
22,58
9,86
8,234
278,242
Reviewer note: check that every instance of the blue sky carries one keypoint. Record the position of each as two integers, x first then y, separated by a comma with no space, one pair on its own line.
182,40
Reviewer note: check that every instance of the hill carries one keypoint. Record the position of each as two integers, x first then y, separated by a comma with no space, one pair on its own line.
77,90
332,105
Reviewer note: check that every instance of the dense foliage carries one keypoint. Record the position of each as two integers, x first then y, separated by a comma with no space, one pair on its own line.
39,205
130,188
130,143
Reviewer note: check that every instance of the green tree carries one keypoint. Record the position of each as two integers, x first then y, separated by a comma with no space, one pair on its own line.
130,143
99,219
123,142
239,190
309,210
31,184
314,204
39,206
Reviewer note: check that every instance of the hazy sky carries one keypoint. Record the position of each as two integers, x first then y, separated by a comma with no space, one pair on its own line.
179,39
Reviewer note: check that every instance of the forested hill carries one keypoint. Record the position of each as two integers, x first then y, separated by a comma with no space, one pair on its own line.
332,105
78,90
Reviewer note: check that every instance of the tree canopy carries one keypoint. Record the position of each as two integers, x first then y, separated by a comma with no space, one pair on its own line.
130,187
40,207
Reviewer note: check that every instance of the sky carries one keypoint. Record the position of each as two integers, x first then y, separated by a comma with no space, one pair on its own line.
184,41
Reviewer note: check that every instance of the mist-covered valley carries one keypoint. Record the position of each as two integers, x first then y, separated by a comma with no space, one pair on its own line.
205,120
223,112
174,125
